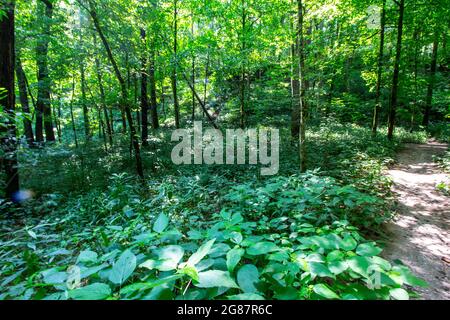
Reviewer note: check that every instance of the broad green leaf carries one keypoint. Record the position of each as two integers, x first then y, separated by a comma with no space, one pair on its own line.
368,250
233,258
319,269
399,294
246,296
324,291
148,285
247,277
260,248
348,243
161,223
359,265
95,291
87,256
215,278
123,268
201,253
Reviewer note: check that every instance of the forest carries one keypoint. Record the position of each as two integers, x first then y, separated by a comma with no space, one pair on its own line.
224,149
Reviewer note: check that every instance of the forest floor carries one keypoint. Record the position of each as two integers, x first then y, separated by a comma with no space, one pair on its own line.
419,236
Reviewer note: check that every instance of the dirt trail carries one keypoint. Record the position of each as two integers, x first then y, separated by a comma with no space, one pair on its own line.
419,236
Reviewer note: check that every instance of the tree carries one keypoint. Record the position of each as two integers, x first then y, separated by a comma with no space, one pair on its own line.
43,111
302,88
378,104
8,137
431,80
144,96
395,78
123,87
23,97
176,104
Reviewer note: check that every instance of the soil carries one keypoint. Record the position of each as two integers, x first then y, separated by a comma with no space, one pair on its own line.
419,235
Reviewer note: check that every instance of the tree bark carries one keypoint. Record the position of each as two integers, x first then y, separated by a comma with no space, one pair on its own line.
395,79
144,96
295,86
8,139
378,104
153,102
87,125
176,103
302,88
23,96
431,81
44,81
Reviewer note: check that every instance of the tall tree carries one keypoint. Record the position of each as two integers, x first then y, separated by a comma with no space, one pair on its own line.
144,95
123,88
395,78
8,139
23,97
153,102
176,104
302,87
43,111
378,104
431,80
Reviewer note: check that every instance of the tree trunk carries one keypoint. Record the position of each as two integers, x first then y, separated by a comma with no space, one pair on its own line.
302,88
125,102
23,96
144,96
395,79
44,82
87,125
295,85
72,118
176,103
431,81
8,139
153,102
378,105
243,70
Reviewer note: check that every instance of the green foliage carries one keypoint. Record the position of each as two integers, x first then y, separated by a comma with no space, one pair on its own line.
290,242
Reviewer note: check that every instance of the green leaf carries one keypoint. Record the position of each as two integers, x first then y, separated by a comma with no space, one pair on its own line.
260,248
191,272
87,256
123,268
247,276
368,250
324,291
246,296
359,265
95,291
201,253
215,278
233,258
161,223
148,285
399,294
348,243
170,256
319,269
337,267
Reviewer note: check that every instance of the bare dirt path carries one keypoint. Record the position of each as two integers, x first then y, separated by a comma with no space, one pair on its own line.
419,236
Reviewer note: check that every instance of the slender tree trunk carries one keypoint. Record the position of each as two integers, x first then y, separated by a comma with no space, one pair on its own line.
395,79
205,88
193,69
72,118
23,96
243,62
378,104
302,86
153,102
144,96
176,103
295,85
431,81
8,138
44,81
87,125
125,102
